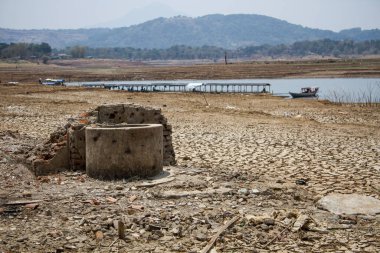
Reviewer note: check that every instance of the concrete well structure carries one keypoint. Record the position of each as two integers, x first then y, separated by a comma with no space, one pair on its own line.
66,147
124,150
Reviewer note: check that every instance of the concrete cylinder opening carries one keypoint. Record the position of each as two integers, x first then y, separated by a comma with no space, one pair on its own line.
124,151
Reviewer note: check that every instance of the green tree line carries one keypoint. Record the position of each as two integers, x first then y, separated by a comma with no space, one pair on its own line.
325,47
24,50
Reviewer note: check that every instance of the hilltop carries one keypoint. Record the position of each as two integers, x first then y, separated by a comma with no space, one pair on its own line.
227,31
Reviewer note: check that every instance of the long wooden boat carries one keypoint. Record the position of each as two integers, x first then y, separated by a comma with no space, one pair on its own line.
305,92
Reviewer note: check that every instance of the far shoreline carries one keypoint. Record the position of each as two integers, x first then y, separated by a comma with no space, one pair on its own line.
77,70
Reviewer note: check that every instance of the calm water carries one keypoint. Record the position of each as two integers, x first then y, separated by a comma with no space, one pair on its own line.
344,89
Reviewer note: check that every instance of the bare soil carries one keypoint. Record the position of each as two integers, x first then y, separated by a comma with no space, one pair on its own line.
261,159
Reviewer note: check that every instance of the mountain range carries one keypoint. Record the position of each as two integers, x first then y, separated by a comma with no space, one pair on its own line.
140,15
227,31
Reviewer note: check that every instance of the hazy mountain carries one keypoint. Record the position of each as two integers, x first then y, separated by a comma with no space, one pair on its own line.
140,15
228,31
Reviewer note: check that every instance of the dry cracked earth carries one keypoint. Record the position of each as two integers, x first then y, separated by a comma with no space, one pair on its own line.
256,163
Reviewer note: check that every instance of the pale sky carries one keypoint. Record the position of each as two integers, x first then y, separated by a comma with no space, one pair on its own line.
60,14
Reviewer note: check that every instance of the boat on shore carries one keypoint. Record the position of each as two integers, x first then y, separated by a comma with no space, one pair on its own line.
52,82
305,92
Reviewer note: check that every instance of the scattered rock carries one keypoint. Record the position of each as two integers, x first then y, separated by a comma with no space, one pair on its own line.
111,200
27,194
260,219
48,212
301,181
255,191
119,187
200,236
350,204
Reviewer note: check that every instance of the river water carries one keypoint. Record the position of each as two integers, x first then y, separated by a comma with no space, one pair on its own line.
335,89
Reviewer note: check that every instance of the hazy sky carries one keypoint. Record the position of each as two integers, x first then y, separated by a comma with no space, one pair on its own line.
325,14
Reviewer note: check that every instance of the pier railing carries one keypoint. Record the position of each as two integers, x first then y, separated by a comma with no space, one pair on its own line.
214,87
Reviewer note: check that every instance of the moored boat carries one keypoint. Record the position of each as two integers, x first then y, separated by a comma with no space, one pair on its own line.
52,82
305,92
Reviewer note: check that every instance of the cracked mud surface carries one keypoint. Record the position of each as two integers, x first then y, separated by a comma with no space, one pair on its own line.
265,160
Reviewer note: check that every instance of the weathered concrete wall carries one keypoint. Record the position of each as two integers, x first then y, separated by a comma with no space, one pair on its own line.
66,148
134,114
126,151
77,146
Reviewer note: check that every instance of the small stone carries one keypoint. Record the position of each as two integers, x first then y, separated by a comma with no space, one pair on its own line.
59,250
177,247
48,212
201,237
27,194
64,218
243,191
21,239
99,235
176,231
297,197
269,221
30,206
67,246
301,181
119,187
82,222
255,191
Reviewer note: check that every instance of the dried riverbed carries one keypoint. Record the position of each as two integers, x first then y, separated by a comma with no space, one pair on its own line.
261,160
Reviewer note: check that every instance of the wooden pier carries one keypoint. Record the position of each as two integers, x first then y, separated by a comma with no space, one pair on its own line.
212,87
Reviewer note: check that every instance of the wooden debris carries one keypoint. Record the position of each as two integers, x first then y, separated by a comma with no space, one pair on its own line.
23,202
137,207
156,182
277,236
212,241
111,200
300,222
121,229
132,198
176,195
313,228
